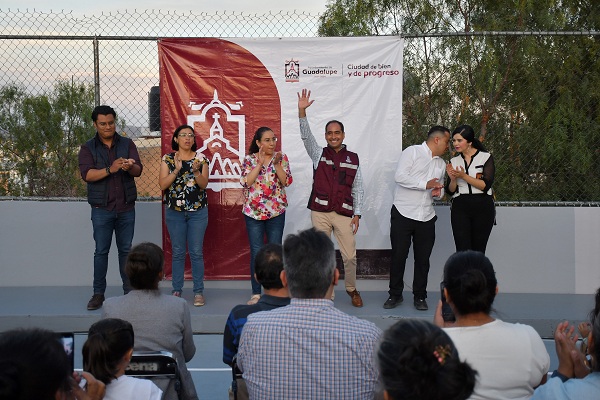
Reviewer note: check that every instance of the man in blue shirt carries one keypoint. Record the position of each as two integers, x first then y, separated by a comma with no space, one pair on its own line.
268,267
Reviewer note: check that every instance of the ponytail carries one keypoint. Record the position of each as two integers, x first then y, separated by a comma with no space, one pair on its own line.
108,342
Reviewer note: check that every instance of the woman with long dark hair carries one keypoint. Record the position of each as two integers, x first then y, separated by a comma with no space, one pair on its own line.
106,355
265,175
184,177
471,176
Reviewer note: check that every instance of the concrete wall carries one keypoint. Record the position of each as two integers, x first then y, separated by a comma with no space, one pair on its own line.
534,249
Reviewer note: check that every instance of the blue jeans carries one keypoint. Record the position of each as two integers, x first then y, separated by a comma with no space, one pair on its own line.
257,229
104,223
187,228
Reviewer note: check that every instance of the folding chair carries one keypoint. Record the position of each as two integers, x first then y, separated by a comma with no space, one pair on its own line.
155,364
238,385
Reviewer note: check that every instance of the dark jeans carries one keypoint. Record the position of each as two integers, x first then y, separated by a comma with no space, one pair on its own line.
104,223
472,218
257,229
422,234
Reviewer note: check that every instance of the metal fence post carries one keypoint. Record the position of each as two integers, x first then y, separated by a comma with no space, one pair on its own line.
96,71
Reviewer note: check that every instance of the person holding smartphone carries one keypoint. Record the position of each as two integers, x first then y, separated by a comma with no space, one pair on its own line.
510,359
34,365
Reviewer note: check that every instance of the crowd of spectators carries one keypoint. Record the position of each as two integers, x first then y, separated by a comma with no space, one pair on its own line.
293,343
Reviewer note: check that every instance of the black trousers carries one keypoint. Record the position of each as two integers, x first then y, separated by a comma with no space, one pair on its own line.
403,231
472,218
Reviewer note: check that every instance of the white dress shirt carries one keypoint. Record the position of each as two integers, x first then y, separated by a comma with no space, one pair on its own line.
415,168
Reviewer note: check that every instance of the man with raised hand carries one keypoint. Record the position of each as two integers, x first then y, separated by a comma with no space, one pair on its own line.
337,192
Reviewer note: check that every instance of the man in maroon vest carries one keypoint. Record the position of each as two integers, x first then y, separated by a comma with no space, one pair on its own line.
337,193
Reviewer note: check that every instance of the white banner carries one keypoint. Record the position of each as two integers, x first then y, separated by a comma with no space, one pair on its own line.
359,82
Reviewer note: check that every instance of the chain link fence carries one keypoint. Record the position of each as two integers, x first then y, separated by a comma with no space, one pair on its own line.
533,97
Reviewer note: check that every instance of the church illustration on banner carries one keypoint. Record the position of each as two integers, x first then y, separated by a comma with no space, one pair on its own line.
224,137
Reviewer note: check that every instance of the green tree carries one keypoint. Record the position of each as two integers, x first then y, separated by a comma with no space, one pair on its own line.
40,137
532,98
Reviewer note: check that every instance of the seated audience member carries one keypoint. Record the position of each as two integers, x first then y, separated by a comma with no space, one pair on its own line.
586,327
268,265
160,321
564,384
106,355
309,349
510,359
417,360
34,366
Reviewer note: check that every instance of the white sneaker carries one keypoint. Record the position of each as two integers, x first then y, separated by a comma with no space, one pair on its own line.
254,299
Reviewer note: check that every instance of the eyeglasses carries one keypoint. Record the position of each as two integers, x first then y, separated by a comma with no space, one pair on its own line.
185,135
269,140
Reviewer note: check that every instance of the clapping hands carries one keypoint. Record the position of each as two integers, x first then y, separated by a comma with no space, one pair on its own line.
571,363
454,173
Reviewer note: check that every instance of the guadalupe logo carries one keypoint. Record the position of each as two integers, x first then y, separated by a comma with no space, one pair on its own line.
292,70
223,132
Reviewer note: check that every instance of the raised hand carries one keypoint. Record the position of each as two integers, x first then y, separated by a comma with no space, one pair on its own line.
451,171
196,165
178,163
304,102
584,329
262,157
564,340
277,158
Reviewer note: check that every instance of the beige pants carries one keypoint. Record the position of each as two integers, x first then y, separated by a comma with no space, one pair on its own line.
342,230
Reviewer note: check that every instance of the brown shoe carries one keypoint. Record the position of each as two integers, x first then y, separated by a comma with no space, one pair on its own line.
198,300
95,302
356,299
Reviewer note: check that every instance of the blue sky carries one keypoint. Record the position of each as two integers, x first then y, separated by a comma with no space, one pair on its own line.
92,7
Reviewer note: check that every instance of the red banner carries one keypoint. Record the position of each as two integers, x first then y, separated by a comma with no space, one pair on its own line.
225,93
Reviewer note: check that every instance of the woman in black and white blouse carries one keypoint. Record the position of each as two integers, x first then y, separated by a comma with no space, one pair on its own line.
471,176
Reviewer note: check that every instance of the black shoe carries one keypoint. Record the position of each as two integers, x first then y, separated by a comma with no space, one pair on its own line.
421,304
393,301
95,302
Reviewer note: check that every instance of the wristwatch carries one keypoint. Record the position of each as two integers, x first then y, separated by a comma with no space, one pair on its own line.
108,170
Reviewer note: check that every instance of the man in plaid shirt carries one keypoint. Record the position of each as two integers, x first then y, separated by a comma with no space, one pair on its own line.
309,349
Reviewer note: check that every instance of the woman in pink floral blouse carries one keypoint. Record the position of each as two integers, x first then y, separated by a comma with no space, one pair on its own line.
265,174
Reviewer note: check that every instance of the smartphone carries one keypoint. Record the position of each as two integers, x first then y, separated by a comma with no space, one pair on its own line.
67,339
447,313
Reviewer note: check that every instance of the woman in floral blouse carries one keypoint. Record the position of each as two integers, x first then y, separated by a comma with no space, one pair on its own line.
183,177
265,174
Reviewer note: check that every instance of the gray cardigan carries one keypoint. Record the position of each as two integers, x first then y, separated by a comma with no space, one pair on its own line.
160,322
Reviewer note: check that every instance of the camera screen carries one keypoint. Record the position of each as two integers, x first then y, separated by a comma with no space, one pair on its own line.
67,339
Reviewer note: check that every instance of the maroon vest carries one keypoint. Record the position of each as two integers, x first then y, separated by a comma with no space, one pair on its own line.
332,182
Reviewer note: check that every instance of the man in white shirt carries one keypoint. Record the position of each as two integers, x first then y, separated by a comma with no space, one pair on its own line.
419,178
